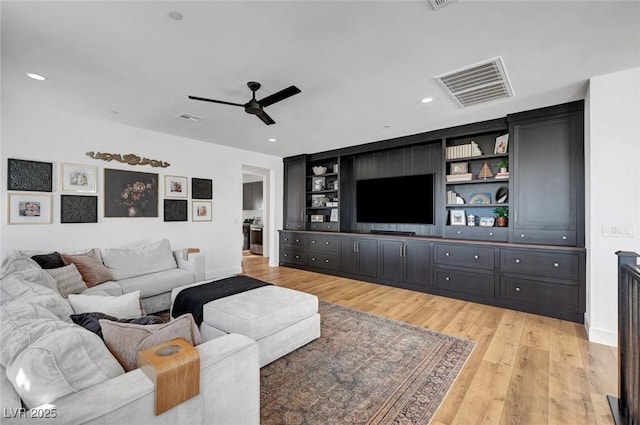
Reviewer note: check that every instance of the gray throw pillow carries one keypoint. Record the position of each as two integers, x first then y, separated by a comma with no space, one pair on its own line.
68,279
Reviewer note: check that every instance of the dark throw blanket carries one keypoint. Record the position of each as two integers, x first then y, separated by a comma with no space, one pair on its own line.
192,300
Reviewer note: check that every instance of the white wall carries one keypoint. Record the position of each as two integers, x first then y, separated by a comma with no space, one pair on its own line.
53,136
612,149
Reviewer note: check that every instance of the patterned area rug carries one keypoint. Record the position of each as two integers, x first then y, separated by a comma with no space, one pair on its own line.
364,369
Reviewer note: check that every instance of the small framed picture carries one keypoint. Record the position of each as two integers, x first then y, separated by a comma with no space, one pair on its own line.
201,211
334,215
487,221
27,208
501,144
317,218
78,178
318,184
459,167
457,218
175,187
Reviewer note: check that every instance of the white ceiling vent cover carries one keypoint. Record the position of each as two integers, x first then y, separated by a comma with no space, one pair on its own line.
189,117
437,4
477,83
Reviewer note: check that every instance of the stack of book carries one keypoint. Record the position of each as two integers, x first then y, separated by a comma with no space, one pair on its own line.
452,197
502,175
459,177
463,151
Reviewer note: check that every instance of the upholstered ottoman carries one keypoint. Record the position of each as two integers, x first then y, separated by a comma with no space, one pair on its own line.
279,319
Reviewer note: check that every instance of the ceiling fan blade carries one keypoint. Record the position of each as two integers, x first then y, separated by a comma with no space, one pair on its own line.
281,95
214,101
265,118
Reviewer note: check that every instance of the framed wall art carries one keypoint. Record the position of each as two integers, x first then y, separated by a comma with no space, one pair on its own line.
201,211
175,210
502,142
457,218
130,194
32,176
29,208
78,178
78,209
201,188
175,187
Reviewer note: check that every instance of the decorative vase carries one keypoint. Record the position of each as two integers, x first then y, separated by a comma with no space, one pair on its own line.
503,169
132,211
501,221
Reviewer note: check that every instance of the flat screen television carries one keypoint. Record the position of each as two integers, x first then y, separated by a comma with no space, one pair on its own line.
406,199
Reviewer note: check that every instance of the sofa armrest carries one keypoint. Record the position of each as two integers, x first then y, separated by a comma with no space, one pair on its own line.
229,393
195,263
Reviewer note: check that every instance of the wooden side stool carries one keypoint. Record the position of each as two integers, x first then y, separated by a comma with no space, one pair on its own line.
174,368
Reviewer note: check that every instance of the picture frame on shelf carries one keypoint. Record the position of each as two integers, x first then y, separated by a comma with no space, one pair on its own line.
318,184
29,208
317,218
201,211
318,201
457,218
77,178
480,198
487,221
502,143
459,167
78,209
30,176
175,187
334,215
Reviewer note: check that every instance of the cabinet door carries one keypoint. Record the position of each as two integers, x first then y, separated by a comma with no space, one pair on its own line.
416,257
367,257
294,193
392,260
247,196
348,255
548,179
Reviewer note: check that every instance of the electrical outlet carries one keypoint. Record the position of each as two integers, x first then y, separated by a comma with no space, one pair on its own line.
618,230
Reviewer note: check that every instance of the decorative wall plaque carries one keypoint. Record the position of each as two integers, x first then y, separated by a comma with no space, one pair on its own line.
32,176
130,158
78,209
201,188
175,210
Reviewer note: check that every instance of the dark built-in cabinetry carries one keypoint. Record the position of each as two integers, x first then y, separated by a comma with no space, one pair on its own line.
536,263
252,196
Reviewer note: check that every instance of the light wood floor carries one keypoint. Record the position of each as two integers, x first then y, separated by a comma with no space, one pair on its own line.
526,369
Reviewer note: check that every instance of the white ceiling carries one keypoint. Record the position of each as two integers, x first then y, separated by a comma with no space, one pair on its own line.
362,66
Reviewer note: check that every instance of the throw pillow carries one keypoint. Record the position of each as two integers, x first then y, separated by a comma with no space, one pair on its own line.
63,362
123,307
49,261
68,279
144,259
125,340
90,267
91,321
29,286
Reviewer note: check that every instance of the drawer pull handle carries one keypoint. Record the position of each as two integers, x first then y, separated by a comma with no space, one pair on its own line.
286,255
326,261
564,238
313,241
326,243
522,235
447,278
476,257
313,258
517,289
297,240
286,239
556,265
297,257
517,261
329,227
490,233
459,232
447,254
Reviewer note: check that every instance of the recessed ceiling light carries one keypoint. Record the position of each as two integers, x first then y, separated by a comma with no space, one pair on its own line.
272,140
427,100
38,77
175,15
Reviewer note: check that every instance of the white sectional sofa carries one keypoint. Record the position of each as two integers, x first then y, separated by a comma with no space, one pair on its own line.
52,367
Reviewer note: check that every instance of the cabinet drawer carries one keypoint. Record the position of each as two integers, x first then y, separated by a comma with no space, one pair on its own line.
558,265
321,242
548,295
294,226
498,234
322,260
293,256
546,237
478,257
467,283
325,227
292,239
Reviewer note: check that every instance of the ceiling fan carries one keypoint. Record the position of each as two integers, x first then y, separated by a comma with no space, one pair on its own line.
256,107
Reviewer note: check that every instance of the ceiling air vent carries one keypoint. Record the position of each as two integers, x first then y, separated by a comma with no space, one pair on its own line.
189,117
477,83
437,4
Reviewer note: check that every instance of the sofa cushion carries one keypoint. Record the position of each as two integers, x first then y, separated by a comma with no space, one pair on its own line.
22,324
49,261
90,267
125,340
22,286
68,279
91,321
105,288
156,283
123,307
63,362
140,260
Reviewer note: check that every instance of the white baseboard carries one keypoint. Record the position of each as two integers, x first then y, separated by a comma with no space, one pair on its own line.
600,336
